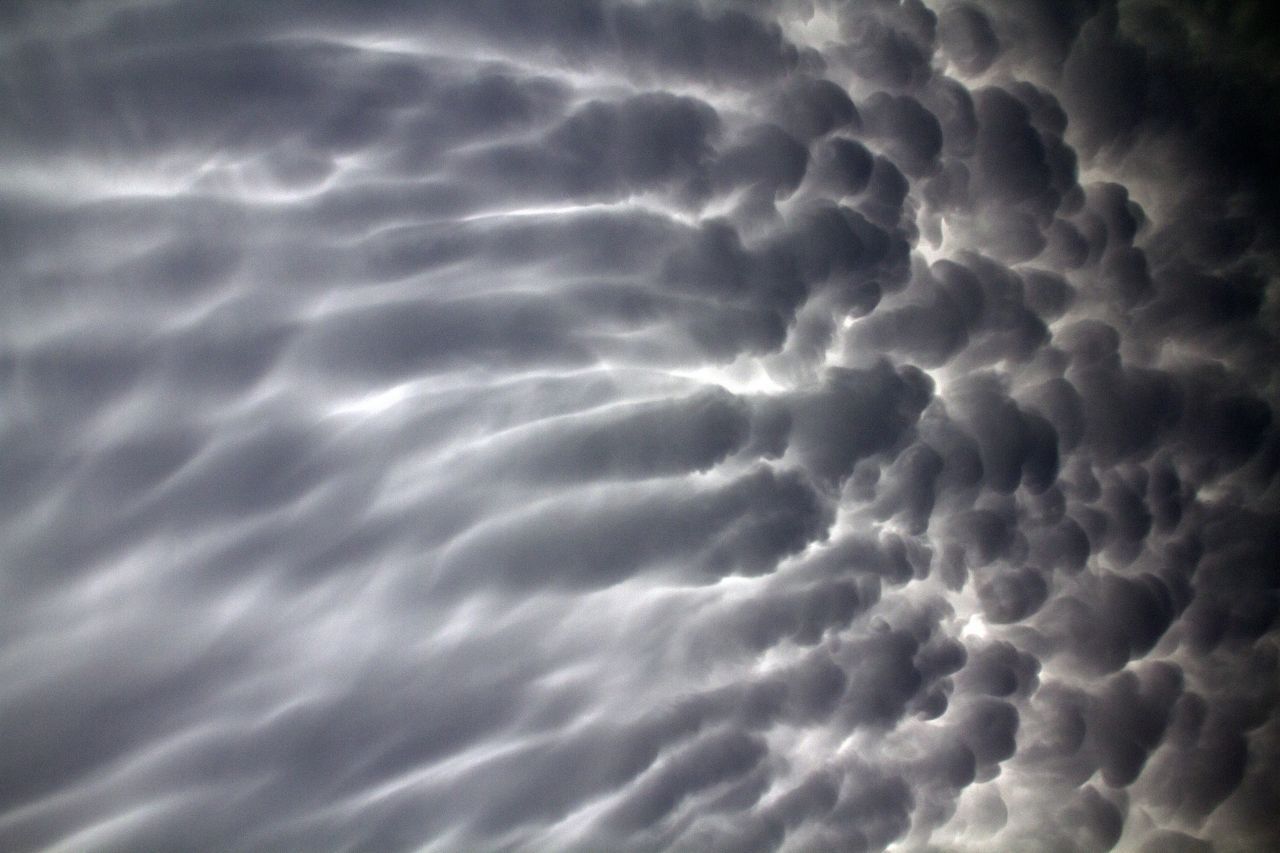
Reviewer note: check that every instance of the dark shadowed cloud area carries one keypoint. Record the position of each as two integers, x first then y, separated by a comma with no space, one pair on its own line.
628,425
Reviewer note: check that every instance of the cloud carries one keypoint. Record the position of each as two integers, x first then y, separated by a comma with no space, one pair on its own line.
966,36
613,425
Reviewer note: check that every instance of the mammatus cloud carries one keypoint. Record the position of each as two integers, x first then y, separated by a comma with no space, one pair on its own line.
602,425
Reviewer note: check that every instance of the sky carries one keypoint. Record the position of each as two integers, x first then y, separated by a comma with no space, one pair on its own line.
639,425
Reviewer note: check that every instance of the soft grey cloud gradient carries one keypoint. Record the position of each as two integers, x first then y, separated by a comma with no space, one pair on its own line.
676,425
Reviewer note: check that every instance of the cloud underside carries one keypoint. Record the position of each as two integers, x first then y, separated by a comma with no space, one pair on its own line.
508,425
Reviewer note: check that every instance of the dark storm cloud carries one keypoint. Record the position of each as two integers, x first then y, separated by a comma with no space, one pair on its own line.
886,46
967,38
952,105
910,487
725,46
847,164
605,150
809,108
768,158
745,525
1000,669
973,314
637,426
910,133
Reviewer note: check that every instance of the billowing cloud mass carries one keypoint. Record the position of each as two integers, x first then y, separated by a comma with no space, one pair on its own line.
619,425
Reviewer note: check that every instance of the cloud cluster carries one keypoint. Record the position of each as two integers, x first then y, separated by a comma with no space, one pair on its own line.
510,425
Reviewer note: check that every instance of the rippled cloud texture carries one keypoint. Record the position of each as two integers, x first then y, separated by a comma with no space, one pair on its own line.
591,425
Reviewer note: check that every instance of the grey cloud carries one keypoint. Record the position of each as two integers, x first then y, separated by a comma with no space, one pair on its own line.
830,240
521,791
671,39
1123,617
1209,307
613,244
769,158
1015,448
887,49
1011,160
803,614
952,105
911,487
962,463
393,342
1125,410
631,441
680,425
729,45
886,191
1040,33
989,727
1065,246
854,414
1047,294
715,759
1058,401
966,35
606,150
910,133
885,678
1011,595
847,163
1231,421
1091,821
1210,753
984,534
873,810
1127,721
1065,545
930,333
812,798
809,108
1107,113
886,557
999,669
744,525
1175,842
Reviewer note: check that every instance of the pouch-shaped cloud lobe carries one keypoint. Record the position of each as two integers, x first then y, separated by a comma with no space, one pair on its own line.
601,425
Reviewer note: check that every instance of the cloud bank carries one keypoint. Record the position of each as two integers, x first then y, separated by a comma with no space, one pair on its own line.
599,425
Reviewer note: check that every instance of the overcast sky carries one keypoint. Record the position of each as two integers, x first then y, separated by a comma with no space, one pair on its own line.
588,425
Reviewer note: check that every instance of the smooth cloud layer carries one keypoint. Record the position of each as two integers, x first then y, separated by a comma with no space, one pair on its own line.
636,426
